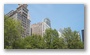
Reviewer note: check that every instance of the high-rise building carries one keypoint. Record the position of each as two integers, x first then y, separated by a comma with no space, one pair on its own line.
39,28
36,29
82,35
22,14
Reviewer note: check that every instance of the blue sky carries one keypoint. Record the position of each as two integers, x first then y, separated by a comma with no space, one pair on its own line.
60,15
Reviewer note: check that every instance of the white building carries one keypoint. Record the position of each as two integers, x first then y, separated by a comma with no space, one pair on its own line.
46,24
59,33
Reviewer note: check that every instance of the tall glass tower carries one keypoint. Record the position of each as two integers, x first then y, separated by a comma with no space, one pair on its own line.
47,21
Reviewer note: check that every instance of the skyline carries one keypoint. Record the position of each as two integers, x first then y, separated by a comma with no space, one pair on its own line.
66,15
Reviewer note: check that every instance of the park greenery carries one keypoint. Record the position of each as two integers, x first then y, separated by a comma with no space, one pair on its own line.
51,40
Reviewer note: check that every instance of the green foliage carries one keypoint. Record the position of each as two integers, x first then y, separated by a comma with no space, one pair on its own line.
72,39
51,40
12,32
34,42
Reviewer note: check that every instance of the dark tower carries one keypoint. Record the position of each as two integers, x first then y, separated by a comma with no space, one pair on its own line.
83,36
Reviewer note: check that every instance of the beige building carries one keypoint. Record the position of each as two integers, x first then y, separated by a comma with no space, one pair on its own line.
36,29
39,28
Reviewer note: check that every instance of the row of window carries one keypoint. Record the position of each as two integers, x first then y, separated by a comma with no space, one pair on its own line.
25,10
24,14
25,34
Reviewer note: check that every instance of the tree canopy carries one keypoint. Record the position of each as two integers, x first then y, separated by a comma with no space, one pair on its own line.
12,38
12,31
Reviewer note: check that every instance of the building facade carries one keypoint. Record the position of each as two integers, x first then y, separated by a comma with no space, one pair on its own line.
22,14
36,29
39,28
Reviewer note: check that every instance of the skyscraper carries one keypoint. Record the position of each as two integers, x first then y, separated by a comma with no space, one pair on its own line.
82,35
21,14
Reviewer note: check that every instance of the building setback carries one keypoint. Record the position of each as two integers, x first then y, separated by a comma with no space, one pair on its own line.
21,14
39,28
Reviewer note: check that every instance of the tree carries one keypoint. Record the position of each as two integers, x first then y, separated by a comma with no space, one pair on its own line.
51,38
12,31
34,42
72,38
